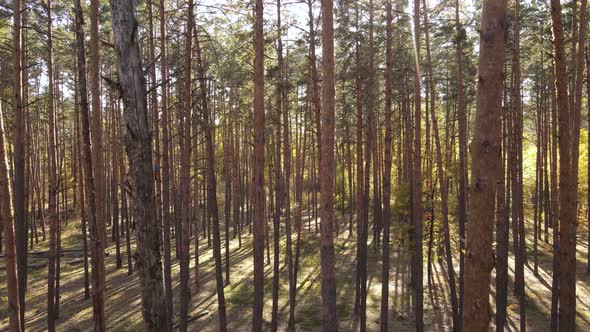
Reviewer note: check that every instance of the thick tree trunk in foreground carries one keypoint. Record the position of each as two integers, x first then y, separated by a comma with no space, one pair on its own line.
139,151
486,161
327,172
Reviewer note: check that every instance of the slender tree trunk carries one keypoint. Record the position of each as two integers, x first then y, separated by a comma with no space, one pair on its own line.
486,161
165,165
441,178
212,204
554,206
96,121
502,230
417,261
277,175
463,179
387,171
12,285
185,159
53,182
258,179
96,244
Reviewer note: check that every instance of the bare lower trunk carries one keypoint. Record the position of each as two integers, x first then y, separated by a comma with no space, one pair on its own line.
486,161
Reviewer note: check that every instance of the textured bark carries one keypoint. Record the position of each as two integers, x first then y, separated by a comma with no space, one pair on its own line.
258,171
486,161
14,324
96,244
138,142
327,171
20,227
567,181
96,120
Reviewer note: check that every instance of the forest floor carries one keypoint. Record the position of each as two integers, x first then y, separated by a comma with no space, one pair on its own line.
123,302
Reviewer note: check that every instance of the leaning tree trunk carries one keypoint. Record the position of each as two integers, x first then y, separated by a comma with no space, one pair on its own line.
487,165
139,151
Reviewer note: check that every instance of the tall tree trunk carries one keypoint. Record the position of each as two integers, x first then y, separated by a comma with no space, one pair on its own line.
327,170
417,260
20,226
387,171
165,165
463,178
555,203
185,163
441,178
486,162
96,244
139,151
12,285
277,175
258,178
567,180
96,121
53,181
212,204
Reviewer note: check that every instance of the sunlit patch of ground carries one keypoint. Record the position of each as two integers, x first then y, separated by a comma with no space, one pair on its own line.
123,296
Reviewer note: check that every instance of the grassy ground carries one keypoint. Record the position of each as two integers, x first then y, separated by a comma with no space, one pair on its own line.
123,295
